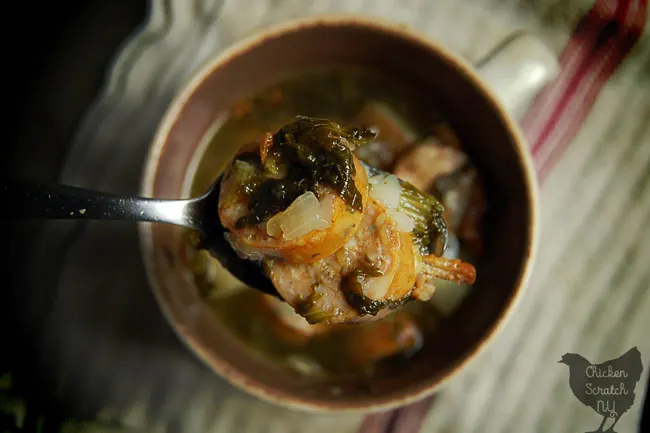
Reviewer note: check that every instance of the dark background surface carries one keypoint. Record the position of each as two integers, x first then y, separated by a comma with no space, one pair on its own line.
56,58
55,65
57,54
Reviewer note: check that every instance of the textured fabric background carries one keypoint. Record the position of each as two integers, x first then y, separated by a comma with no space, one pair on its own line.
589,291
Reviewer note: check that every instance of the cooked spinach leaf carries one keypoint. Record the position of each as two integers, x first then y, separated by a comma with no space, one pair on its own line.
308,151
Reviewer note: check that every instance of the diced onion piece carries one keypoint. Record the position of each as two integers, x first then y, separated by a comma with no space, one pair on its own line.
273,226
385,188
377,288
403,221
302,216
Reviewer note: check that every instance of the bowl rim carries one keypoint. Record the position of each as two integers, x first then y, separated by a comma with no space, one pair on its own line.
395,30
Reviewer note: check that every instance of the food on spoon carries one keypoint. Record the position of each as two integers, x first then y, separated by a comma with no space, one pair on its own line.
352,97
375,268
300,197
341,242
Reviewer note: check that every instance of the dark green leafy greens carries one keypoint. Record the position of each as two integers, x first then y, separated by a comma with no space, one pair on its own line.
429,234
310,310
303,154
430,231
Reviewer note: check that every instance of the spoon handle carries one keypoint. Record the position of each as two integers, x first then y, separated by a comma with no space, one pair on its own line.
26,199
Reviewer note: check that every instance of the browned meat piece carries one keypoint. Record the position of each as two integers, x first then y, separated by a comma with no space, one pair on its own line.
455,190
469,231
446,135
316,287
428,161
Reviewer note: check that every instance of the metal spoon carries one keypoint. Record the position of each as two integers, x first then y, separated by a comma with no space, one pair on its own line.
55,201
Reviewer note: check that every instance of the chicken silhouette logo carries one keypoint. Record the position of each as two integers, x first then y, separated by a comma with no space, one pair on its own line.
607,388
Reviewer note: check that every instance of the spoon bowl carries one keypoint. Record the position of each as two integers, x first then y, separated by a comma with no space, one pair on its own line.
213,240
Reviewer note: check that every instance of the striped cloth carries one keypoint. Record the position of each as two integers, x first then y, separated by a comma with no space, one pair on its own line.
588,293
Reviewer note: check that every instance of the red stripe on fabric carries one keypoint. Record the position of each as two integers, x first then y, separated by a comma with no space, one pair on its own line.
411,418
608,50
576,111
572,58
379,422
596,48
408,419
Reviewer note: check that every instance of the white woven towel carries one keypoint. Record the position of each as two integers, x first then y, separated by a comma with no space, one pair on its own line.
589,293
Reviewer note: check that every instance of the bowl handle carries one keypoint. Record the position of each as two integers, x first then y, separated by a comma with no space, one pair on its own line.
517,69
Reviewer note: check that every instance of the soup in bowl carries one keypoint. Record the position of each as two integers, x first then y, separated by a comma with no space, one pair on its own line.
436,126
